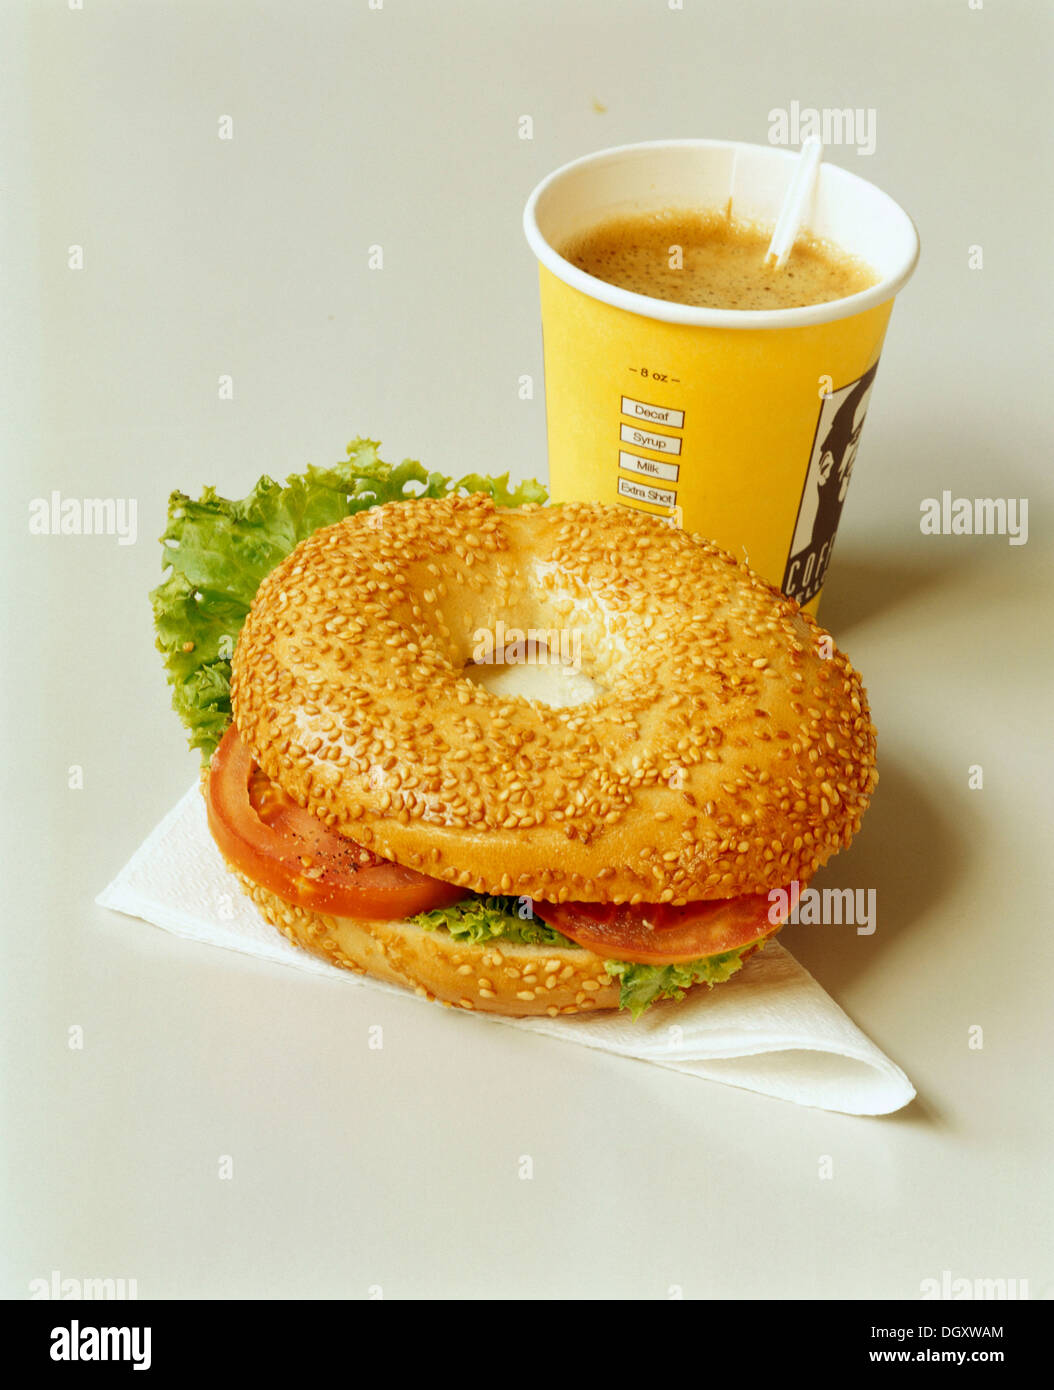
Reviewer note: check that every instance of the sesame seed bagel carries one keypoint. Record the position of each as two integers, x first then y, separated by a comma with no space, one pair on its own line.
502,976
730,748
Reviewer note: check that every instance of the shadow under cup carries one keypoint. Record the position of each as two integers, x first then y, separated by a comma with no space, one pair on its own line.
742,425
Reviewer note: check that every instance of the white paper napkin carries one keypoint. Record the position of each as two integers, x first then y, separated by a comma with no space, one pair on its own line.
771,1028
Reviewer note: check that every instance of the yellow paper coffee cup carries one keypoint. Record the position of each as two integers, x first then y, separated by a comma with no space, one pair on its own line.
741,425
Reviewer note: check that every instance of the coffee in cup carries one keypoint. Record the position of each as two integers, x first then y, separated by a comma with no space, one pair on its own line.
710,259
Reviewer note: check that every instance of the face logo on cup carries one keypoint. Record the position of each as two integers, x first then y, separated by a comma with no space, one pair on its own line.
837,438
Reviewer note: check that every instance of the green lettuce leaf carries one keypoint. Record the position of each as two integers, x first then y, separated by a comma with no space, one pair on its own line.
498,488
477,918
642,985
218,551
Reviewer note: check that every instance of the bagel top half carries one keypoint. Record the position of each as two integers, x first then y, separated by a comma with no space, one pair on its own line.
729,750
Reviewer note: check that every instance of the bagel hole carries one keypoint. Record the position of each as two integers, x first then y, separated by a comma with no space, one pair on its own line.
535,669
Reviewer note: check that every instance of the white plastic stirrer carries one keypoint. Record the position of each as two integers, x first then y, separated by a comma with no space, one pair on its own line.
794,203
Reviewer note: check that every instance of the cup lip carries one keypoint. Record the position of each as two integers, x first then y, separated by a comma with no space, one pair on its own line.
697,316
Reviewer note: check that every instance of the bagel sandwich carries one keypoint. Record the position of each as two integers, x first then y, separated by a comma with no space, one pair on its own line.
518,758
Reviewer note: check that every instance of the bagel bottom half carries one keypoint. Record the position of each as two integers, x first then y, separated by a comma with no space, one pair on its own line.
498,976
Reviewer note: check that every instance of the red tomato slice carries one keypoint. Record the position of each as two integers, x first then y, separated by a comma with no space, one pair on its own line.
285,848
656,934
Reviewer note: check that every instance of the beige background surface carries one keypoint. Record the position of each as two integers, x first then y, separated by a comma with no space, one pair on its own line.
398,1168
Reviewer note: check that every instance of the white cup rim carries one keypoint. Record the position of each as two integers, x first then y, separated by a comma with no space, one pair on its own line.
669,312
